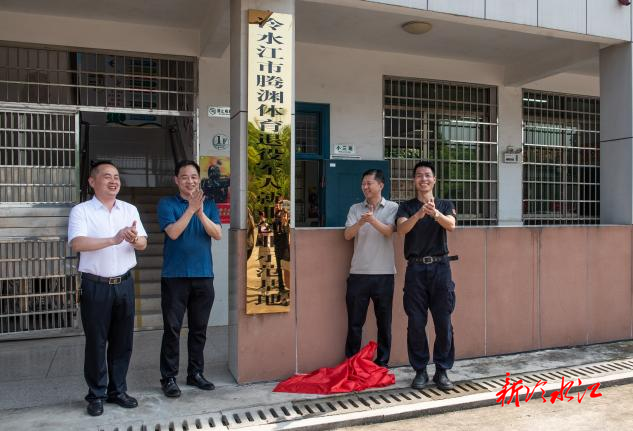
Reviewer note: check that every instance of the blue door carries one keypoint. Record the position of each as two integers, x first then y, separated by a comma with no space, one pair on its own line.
342,180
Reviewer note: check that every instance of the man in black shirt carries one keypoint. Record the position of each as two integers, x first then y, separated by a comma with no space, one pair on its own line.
423,222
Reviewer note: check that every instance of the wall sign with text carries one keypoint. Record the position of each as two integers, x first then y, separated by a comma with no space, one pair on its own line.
270,65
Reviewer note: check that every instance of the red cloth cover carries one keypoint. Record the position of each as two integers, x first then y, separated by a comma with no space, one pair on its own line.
354,374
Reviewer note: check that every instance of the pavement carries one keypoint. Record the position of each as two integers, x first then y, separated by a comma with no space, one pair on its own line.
42,387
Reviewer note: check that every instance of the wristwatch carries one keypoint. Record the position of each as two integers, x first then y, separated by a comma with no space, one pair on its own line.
436,215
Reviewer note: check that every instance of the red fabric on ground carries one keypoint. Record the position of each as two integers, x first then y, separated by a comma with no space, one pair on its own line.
354,374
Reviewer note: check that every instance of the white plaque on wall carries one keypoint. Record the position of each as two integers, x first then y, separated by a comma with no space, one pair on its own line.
219,112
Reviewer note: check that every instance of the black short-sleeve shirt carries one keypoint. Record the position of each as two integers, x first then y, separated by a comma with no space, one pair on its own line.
427,238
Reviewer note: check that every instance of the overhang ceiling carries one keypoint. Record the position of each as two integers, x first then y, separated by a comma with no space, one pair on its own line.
381,31
325,23
170,13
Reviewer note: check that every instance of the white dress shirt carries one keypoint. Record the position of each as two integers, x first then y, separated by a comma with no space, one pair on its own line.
92,219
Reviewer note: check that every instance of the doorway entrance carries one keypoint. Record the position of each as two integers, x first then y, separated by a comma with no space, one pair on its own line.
312,148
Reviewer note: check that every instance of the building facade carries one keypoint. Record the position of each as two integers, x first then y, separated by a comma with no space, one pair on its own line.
525,107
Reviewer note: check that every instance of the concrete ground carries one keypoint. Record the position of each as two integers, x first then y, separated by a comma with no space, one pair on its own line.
44,372
42,386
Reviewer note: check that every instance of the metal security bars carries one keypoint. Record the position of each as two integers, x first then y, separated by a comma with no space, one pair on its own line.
453,125
307,139
38,285
38,157
38,184
561,162
94,79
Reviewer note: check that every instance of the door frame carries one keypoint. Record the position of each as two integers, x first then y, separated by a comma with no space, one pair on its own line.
323,109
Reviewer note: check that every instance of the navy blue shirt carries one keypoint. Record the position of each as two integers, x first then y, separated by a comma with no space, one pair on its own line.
190,254
427,238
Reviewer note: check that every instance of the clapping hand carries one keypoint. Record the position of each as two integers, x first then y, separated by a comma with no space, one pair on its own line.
196,201
128,234
429,208
368,216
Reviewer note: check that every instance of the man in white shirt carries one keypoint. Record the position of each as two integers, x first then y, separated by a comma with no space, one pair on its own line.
371,224
106,232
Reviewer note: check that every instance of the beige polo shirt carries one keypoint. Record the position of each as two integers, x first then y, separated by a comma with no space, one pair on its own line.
373,252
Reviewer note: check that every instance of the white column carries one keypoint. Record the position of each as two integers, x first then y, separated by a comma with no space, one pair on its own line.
510,174
616,134
239,144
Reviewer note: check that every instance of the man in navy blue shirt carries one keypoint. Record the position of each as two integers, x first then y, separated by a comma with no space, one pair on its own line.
189,223
424,221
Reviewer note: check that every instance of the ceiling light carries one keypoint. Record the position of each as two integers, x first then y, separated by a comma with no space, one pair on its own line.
416,27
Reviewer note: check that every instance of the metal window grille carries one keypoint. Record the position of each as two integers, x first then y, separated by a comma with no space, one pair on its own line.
561,165
38,285
97,79
38,157
453,125
307,132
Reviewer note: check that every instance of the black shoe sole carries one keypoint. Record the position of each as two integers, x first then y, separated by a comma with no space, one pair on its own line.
125,406
200,387
444,387
419,385
174,395
93,414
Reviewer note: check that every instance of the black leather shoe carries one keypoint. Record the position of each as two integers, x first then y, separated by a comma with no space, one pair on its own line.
200,382
170,388
421,378
123,400
442,381
381,364
95,407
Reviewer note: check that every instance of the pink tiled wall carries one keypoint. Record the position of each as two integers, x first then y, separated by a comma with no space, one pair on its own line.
518,289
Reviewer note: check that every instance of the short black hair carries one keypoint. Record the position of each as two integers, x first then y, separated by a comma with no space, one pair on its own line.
181,164
423,164
377,173
94,166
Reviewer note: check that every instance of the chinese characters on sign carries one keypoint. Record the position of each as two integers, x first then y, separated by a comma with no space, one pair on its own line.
513,390
269,155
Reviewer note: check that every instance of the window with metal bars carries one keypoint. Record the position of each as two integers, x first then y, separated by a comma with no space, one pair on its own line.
307,127
96,79
38,286
38,155
454,126
561,158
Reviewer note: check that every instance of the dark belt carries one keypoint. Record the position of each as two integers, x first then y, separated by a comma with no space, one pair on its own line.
427,260
106,280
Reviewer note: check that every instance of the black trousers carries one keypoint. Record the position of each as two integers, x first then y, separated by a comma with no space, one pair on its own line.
195,295
429,287
107,315
360,289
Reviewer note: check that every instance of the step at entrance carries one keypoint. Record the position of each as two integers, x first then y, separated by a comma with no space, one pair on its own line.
150,261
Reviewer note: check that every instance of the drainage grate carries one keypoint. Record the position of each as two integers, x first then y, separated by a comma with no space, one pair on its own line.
369,400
